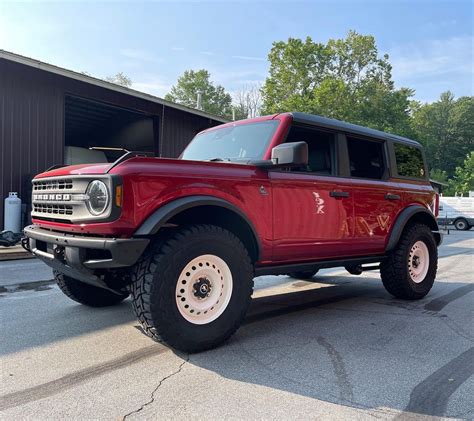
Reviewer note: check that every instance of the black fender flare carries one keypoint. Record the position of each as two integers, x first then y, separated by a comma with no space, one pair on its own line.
163,214
402,219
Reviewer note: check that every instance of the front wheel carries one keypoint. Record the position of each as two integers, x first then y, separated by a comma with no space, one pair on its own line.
192,291
410,270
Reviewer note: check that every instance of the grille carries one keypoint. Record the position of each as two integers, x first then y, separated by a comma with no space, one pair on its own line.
61,184
53,209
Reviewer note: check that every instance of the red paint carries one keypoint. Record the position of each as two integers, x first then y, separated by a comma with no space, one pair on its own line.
297,220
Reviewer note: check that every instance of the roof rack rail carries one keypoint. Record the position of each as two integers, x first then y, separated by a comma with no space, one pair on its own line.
130,155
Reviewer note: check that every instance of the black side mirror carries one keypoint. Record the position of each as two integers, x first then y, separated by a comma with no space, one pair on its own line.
294,154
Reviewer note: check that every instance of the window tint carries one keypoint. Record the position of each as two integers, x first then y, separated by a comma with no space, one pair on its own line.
409,161
321,149
366,158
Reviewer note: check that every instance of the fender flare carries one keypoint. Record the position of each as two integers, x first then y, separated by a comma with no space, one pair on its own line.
403,219
164,213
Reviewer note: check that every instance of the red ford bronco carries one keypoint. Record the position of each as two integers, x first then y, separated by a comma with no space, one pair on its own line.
284,194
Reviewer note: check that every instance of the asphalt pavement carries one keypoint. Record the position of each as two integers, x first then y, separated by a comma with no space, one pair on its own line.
336,347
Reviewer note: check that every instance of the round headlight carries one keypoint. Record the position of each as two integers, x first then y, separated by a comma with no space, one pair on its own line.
98,197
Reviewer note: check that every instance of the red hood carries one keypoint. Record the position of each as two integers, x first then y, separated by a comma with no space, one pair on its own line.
76,170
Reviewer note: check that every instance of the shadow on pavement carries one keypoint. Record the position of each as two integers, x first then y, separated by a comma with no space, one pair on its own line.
354,345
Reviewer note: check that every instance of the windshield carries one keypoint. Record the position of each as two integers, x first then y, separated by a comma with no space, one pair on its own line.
237,142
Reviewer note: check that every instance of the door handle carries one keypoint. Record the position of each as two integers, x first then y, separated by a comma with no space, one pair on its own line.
339,194
390,196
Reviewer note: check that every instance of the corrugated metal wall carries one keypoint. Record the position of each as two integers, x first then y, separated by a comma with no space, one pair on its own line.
32,123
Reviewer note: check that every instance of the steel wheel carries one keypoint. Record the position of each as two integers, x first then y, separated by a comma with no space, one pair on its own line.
418,262
204,289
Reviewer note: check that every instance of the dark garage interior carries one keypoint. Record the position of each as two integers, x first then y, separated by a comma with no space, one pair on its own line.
91,123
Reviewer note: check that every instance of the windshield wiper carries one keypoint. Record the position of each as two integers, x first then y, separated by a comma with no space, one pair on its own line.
218,159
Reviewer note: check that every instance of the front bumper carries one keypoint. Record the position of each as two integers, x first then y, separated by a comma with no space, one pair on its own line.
78,256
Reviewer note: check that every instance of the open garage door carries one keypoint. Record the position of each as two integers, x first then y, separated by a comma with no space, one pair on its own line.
105,128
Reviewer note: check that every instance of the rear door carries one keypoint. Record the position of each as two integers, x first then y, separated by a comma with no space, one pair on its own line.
378,199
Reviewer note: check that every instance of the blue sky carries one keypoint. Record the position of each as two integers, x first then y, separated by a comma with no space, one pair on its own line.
430,43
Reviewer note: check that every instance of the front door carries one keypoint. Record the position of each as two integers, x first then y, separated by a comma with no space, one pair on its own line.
312,207
312,217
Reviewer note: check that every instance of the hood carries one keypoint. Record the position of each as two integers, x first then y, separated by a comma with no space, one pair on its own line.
76,170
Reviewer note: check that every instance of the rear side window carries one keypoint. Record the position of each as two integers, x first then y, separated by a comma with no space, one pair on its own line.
366,158
409,161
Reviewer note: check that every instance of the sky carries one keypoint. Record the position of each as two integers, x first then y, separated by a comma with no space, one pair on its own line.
430,42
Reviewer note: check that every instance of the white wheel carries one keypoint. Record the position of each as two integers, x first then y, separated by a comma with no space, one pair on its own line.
204,289
418,262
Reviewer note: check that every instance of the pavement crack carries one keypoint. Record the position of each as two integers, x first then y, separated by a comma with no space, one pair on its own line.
155,390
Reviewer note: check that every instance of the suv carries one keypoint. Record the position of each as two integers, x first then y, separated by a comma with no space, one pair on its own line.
284,194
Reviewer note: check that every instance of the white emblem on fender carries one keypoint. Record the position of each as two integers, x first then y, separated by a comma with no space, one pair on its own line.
319,203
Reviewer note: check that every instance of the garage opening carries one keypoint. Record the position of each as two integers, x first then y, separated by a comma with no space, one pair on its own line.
99,132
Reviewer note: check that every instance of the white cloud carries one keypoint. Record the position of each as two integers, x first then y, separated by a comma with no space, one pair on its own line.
433,58
140,55
153,86
250,58
177,48
206,53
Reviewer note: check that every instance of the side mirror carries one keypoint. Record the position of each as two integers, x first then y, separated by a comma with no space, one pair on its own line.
294,154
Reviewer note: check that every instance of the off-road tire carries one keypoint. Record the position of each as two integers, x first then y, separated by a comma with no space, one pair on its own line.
304,274
461,224
155,277
394,270
86,294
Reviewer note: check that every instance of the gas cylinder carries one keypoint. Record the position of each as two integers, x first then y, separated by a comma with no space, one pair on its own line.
13,212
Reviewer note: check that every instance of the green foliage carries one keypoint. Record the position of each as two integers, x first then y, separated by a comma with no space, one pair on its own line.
463,180
215,99
446,129
439,175
119,79
344,79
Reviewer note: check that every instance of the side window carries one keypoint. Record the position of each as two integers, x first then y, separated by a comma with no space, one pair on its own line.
366,158
409,161
321,149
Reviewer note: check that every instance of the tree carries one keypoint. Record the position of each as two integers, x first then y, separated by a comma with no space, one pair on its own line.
446,129
248,102
120,79
344,79
463,180
215,99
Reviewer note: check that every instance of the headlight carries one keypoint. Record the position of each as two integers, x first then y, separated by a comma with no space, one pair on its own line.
97,197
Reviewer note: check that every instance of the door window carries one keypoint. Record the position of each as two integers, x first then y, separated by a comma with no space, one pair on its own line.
321,149
366,158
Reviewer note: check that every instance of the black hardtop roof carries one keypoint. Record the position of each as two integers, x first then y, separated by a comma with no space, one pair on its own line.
333,124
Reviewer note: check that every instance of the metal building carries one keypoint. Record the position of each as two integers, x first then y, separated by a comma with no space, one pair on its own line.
45,109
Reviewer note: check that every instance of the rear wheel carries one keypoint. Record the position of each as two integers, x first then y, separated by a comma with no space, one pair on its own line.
192,290
461,224
410,270
304,274
86,294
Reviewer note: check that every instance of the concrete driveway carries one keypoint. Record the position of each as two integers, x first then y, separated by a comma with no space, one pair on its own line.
335,347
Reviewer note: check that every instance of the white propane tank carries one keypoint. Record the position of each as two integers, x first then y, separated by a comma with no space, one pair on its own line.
13,212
